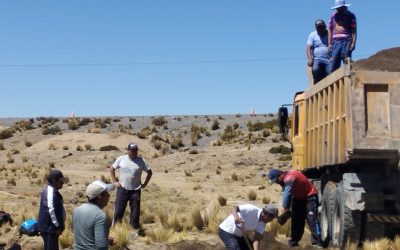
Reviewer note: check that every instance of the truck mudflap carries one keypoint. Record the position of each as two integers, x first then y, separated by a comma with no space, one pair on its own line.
383,218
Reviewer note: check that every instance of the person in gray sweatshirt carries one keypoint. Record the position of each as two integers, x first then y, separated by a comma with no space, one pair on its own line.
89,221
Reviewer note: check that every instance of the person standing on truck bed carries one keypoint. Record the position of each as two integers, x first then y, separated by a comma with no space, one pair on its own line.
342,34
317,51
302,197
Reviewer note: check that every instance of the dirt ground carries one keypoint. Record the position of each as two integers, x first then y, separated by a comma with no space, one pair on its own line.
384,60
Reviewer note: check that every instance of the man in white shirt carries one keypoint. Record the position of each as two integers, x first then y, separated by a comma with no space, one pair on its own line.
130,184
245,218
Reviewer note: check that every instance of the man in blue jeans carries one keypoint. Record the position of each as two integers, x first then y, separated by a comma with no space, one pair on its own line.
244,218
130,184
317,51
342,34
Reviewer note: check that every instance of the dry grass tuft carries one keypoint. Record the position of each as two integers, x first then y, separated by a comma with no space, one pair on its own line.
2,146
212,219
197,220
66,239
396,242
252,195
276,229
53,146
120,232
188,173
160,234
383,243
266,199
222,200
234,177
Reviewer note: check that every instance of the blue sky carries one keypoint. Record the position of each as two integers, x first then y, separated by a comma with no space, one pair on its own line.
166,57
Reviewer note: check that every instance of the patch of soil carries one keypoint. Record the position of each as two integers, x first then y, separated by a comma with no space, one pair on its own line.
384,60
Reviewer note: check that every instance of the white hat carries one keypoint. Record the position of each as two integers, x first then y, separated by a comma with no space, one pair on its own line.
96,188
340,3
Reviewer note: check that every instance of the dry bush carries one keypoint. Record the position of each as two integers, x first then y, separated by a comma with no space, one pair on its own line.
51,130
28,144
52,164
193,152
24,158
109,148
280,150
276,229
65,147
73,124
396,242
93,130
176,223
222,200
66,239
188,173
79,148
252,195
2,146
160,234
380,244
147,217
120,232
266,199
7,133
23,125
230,134
88,147
157,145
234,177
10,160
266,133
215,125
11,181
197,220
159,121
217,171
52,146
212,218
176,143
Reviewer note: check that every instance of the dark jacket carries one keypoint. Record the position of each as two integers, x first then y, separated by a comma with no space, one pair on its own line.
51,211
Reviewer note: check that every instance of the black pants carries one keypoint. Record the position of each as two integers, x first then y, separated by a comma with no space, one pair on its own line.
122,198
303,210
232,242
50,241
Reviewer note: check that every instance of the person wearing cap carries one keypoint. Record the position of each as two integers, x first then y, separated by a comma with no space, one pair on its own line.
317,51
51,219
301,197
130,167
245,218
342,34
89,222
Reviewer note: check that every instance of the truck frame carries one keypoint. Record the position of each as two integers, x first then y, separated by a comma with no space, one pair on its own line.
345,136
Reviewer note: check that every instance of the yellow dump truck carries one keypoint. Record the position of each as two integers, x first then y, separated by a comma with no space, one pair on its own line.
345,135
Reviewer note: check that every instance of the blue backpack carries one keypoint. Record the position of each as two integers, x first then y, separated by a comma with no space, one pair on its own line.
29,227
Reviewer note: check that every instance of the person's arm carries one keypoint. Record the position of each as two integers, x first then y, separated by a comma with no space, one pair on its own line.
353,34
236,217
101,232
148,177
287,195
257,239
113,178
309,56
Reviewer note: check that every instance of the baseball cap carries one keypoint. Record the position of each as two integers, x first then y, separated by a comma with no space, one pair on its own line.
55,175
274,174
271,209
132,146
97,188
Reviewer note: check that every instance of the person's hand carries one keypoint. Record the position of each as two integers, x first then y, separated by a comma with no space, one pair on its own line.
239,222
352,47
59,231
111,241
117,184
330,48
310,62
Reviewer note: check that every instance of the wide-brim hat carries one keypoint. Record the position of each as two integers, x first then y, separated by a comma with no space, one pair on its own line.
340,3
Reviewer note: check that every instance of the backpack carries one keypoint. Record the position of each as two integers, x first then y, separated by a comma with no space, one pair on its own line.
29,227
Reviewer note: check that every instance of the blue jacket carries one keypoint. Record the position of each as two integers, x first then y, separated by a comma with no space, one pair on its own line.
51,211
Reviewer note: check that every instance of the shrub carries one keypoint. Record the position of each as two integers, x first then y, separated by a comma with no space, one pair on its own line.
73,124
159,121
234,177
176,143
11,181
28,144
109,148
280,150
120,232
197,220
10,160
51,130
65,147
222,201
215,125
52,146
24,159
266,199
285,158
88,147
85,121
52,164
188,173
79,148
23,125
252,195
2,146
193,152
229,134
6,133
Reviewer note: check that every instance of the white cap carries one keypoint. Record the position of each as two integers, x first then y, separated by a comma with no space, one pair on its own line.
96,188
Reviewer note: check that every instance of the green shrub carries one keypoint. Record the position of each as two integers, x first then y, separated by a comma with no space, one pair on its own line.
280,150
51,130
7,133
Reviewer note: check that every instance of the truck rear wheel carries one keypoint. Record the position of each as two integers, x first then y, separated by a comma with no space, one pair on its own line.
345,223
327,207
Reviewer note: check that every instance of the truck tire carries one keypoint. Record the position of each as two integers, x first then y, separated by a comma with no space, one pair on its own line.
327,207
346,224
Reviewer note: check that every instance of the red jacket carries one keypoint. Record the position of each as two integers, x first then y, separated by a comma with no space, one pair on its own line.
296,186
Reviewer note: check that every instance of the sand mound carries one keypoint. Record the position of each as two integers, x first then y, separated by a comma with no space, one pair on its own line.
384,60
